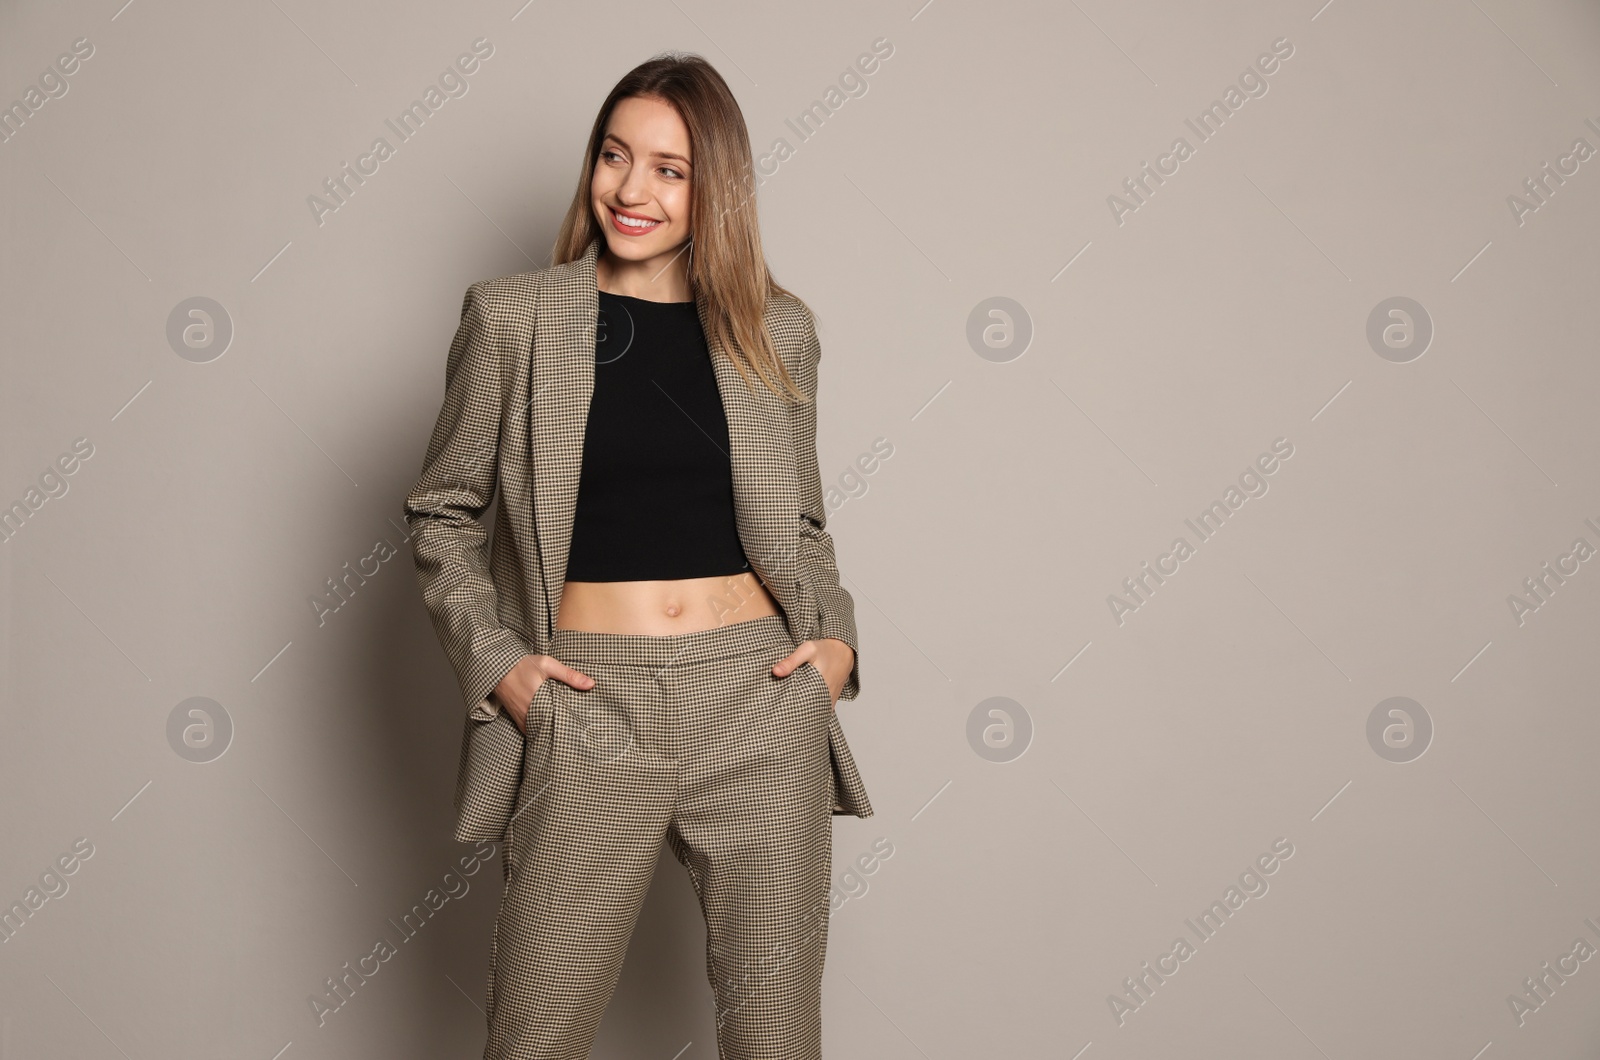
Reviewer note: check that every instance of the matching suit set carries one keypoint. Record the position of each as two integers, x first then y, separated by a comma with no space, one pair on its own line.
686,740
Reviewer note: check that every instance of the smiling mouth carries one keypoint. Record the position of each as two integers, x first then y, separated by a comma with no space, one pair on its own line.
632,222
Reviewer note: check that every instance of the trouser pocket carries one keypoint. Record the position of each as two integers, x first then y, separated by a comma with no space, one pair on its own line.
821,694
538,744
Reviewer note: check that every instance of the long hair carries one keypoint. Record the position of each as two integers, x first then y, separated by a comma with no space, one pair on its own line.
726,263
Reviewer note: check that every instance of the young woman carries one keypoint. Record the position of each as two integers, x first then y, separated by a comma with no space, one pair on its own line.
651,647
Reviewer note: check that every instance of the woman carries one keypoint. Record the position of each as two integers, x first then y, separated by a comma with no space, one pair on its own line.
651,647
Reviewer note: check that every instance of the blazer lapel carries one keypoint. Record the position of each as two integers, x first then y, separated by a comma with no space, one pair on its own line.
765,498
562,383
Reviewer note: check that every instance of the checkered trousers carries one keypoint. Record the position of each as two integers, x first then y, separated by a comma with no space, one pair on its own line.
689,740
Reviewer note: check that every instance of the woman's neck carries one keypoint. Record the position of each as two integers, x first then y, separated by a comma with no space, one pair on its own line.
663,278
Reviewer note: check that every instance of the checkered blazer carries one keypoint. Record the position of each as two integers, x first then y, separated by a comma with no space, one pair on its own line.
518,379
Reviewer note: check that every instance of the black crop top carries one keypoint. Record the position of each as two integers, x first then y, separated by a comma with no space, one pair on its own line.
655,491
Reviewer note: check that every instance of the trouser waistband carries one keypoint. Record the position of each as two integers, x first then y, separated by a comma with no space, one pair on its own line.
655,653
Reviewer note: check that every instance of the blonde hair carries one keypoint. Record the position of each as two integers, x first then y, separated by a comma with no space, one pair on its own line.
726,264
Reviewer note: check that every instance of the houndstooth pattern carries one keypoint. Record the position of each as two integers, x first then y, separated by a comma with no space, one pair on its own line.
688,740
518,379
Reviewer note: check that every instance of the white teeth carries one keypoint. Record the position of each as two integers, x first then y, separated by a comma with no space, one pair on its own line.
634,222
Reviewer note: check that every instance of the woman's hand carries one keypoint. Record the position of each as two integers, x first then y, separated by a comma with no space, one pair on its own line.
515,690
829,655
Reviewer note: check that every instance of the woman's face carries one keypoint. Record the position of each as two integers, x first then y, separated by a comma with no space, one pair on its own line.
640,189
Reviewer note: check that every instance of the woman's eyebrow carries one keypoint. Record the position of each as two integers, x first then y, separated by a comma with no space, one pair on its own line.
656,154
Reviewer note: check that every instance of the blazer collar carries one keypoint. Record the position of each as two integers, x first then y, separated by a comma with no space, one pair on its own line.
561,382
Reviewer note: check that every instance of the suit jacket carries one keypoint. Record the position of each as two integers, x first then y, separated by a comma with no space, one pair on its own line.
518,379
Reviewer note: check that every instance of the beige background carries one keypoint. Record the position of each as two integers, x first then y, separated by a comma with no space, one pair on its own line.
1230,711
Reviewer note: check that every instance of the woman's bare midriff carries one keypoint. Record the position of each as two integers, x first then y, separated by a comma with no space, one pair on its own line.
661,608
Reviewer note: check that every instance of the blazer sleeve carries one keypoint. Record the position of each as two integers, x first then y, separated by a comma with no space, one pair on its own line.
836,608
459,473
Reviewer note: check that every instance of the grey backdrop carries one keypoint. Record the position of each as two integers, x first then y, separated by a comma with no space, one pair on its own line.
1380,257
